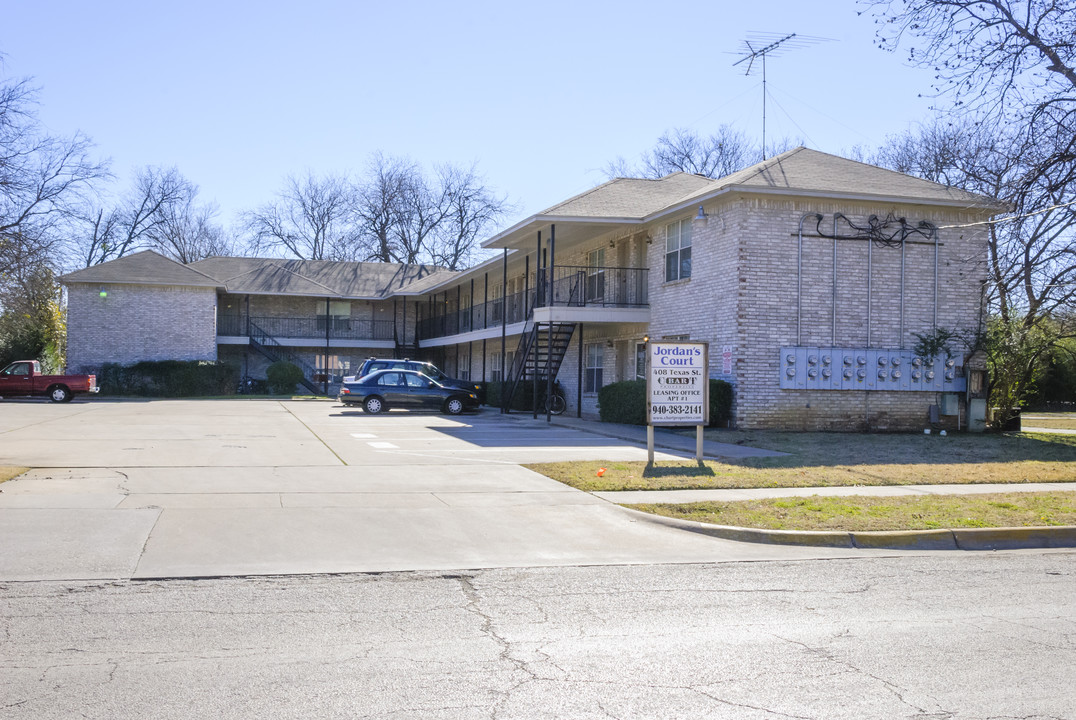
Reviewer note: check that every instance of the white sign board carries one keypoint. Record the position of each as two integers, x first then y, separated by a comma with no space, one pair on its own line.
677,383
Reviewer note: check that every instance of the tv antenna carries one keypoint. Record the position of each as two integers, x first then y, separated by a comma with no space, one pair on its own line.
758,46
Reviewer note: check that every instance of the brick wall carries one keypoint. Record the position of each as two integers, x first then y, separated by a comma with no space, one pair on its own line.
767,307
139,322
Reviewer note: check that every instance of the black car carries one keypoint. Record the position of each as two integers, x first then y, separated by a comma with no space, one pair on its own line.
430,370
384,389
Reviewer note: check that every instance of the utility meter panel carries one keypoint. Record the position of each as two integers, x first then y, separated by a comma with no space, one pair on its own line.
812,368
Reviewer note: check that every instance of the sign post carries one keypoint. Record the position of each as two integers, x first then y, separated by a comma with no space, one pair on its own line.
677,389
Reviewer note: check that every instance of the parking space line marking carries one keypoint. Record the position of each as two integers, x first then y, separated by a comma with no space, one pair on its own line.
363,436
383,445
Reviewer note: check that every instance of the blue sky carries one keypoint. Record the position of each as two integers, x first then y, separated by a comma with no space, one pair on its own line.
542,96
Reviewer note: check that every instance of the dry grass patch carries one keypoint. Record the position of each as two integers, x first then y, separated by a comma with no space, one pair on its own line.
859,514
1061,421
8,472
842,459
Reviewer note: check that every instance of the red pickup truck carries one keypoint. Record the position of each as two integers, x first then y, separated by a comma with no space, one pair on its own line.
23,377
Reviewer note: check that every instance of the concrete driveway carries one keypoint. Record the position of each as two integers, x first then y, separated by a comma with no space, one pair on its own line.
205,488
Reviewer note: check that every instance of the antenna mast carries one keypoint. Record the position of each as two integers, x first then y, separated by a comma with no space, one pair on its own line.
773,45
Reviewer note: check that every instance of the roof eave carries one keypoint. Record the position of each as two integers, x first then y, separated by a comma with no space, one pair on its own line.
992,206
504,239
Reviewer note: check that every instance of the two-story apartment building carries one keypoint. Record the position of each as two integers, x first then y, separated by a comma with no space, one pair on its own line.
812,277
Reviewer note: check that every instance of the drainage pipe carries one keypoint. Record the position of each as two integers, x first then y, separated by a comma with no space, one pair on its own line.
799,278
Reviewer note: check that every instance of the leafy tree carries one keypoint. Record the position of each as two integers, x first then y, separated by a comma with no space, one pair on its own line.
33,322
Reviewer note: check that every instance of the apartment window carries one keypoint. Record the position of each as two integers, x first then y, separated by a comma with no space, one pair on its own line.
328,366
596,274
678,250
640,361
339,315
496,373
592,373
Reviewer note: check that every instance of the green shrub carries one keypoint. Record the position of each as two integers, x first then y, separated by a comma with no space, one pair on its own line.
720,403
168,378
283,376
625,402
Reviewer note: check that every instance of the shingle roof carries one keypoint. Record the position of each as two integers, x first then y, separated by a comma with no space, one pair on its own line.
320,277
810,172
630,197
142,268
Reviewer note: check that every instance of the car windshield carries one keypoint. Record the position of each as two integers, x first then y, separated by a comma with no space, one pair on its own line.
434,373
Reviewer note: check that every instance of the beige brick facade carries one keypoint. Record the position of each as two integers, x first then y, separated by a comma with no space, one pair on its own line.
130,323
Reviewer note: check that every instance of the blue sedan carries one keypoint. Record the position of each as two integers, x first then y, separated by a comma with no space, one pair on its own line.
385,389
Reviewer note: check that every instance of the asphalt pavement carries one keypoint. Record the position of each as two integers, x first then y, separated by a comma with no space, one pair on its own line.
199,488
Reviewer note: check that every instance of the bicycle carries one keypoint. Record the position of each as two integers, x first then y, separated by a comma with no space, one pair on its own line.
556,403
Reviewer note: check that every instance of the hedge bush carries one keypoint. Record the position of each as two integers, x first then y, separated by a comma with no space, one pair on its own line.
625,403
283,376
168,378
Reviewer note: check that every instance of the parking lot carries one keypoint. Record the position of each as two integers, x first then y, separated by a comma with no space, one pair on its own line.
198,488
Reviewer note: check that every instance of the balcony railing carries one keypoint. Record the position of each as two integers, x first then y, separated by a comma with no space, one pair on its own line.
572,286
313,328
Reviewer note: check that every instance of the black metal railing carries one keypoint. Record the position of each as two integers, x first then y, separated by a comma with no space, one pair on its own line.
313,328
573,286
579,286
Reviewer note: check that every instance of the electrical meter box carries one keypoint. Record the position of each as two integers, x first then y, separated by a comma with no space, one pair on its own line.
950,404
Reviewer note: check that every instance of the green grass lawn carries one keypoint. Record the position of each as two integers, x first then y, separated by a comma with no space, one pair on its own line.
842,459
852,514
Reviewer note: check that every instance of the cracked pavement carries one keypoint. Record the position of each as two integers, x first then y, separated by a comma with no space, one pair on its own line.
970,637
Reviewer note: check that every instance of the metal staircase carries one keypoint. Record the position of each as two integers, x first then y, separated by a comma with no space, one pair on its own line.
268,346
538,357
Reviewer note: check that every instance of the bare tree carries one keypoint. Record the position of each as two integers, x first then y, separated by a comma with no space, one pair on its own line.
187,232
469,209
377,205
108,233
1011,61
42,179
1032,249
407,217
313,219
682,150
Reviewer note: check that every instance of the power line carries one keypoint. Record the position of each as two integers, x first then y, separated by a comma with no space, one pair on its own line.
1009,218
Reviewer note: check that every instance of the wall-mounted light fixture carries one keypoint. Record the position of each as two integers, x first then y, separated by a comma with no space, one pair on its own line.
702,214
103,293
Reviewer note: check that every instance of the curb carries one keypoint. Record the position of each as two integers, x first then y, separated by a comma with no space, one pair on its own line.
1062,536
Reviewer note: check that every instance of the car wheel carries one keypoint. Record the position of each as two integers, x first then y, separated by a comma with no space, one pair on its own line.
373,405
59,394
454,406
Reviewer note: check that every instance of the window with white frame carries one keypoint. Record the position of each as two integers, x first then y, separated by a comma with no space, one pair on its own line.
496,373
592,372
678,250
596,274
